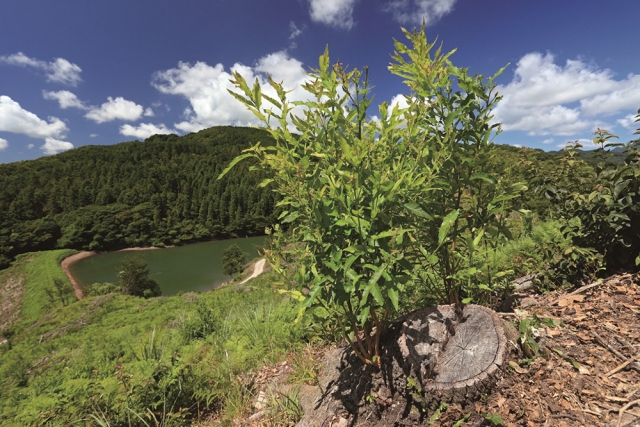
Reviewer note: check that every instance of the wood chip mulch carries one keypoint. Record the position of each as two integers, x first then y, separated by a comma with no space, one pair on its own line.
588,374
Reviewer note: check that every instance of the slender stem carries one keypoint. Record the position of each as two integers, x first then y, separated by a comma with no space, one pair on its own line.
351,343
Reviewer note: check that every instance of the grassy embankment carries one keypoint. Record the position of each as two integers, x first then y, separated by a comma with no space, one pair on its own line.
120,360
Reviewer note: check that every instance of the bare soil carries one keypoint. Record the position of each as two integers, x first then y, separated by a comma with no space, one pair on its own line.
65,267
11,294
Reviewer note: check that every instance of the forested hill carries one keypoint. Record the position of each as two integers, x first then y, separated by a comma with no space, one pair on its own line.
158,192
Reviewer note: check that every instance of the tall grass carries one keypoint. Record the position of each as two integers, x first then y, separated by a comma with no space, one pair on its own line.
121,360
40,270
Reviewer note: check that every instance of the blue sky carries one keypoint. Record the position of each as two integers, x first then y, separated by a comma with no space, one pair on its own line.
75,73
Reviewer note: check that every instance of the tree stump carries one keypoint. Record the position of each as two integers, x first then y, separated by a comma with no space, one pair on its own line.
453,352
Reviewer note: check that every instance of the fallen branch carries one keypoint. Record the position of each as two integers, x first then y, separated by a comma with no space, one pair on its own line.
577,291
607,346
622,365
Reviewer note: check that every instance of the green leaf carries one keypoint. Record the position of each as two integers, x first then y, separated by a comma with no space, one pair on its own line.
477,239
485,177
447,223
377,274
393,296
383,235
324,60
292,216
415,209
377,294
233,163
265,182
494,419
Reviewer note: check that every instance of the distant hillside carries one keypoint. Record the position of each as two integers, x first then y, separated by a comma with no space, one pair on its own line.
158,192
164,191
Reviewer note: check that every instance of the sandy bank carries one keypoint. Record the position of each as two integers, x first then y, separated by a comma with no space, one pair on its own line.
65,267
147,248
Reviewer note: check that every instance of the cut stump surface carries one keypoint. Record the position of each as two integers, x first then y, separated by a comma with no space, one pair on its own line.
455,353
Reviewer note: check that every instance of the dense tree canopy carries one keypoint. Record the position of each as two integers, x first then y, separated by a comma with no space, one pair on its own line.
162,191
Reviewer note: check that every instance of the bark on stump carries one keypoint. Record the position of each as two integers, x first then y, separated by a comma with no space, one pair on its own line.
454,353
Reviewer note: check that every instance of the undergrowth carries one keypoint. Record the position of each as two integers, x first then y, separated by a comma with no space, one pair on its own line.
119,360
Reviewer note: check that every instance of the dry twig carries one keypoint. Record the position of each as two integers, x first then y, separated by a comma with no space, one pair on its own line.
624,408
622,365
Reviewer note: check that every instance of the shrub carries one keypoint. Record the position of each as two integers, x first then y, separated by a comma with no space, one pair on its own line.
233,259
134,278
365,201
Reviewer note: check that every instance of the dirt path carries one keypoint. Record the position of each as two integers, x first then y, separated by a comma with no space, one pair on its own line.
258,268
65,267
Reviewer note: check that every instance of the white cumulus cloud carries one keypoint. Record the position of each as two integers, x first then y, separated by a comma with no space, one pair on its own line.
546,98
335,13
629,122
418,11
3,144
59,70
206,86
145,130
115,109
15,119
54,146
625,96
65,98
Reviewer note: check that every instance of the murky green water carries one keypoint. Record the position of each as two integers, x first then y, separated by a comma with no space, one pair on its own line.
194,267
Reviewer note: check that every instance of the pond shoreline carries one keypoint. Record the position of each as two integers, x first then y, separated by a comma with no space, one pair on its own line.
65,267
80,275
65,263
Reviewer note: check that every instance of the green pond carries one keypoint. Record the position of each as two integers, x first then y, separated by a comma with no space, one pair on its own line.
193,267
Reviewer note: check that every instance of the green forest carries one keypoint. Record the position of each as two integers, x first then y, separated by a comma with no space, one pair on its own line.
164,191
159,192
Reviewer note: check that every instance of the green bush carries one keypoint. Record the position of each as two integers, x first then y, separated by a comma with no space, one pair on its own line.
366,201
104,289
134,278
233,259
603,216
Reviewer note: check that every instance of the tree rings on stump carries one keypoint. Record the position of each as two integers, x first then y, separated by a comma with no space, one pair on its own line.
454,352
